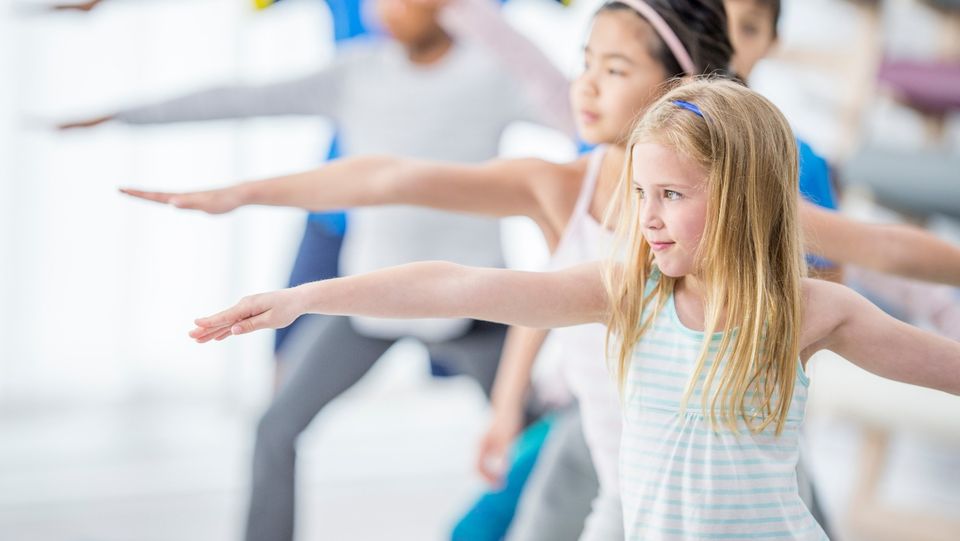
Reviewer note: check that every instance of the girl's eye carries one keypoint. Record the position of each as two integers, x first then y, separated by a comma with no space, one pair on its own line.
639,191
616,73
672,195
750,30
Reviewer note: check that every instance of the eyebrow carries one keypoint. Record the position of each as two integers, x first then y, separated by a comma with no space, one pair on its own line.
612,56
668,185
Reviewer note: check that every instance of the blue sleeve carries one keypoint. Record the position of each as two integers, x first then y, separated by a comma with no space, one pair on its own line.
815,186
815,183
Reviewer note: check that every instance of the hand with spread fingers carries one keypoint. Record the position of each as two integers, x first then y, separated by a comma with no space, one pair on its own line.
272,310
210,201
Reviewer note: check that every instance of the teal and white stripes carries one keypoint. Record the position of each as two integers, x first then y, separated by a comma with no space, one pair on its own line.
682,479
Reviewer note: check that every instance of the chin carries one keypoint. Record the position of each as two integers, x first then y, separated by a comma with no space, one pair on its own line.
592,135
672,271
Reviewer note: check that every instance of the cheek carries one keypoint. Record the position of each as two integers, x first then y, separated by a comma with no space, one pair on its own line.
634,98
690,224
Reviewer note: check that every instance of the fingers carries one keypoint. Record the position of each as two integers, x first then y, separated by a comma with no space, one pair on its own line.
203,335
256,323
223,334
158,197
227,318
191,201
246,316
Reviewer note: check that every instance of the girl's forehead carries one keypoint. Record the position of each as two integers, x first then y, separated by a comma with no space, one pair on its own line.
655,163
621,32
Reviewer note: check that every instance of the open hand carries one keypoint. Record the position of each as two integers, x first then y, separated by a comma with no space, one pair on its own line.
211,201
272,310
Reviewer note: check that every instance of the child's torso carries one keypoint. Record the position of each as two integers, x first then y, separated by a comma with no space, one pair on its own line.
679,478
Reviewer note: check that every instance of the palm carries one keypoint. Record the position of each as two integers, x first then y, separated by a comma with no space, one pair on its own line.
211,202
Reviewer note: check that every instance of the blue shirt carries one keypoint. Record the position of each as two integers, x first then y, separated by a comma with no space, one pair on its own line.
816,187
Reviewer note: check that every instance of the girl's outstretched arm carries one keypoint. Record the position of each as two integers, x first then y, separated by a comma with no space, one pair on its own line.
428,289
498,188
839,319
890,248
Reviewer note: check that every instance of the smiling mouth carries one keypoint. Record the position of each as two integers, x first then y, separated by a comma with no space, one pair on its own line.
659,246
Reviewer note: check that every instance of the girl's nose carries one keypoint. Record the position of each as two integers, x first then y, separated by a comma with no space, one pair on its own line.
650,215
586,85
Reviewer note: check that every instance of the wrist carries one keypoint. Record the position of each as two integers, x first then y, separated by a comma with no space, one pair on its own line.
243,194
507,408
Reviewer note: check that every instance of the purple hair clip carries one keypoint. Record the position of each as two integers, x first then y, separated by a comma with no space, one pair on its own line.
688,106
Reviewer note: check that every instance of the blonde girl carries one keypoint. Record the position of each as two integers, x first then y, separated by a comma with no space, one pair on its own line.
710,261
627,60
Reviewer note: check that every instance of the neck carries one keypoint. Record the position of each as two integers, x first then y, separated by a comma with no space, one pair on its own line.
429,48
691,285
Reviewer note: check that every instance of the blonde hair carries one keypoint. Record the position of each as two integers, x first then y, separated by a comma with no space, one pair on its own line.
749,259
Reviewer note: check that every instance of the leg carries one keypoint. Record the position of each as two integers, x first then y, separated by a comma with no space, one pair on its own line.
556,500
327,357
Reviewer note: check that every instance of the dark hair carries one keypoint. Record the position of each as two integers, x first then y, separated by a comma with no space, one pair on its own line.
701,25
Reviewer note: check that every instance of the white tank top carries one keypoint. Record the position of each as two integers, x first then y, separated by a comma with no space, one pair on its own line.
582,359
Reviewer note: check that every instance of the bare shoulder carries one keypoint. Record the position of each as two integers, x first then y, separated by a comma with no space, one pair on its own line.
556,187
826,306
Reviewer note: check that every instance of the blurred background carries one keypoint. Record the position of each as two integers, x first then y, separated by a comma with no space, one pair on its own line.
115,426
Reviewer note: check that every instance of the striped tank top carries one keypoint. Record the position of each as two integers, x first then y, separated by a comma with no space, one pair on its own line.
680,479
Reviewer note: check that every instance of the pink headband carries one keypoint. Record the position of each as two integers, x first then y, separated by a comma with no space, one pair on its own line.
665,33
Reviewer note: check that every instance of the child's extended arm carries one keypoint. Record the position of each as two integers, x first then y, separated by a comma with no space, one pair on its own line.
508,399
430,289
315,94
517,187
891,248
839,319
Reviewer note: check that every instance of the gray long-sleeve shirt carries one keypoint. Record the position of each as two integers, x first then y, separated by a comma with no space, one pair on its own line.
453,110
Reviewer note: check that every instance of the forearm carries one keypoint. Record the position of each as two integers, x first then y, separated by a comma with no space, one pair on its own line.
447,290
306,96
345,183
516,366
891,248
915,253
